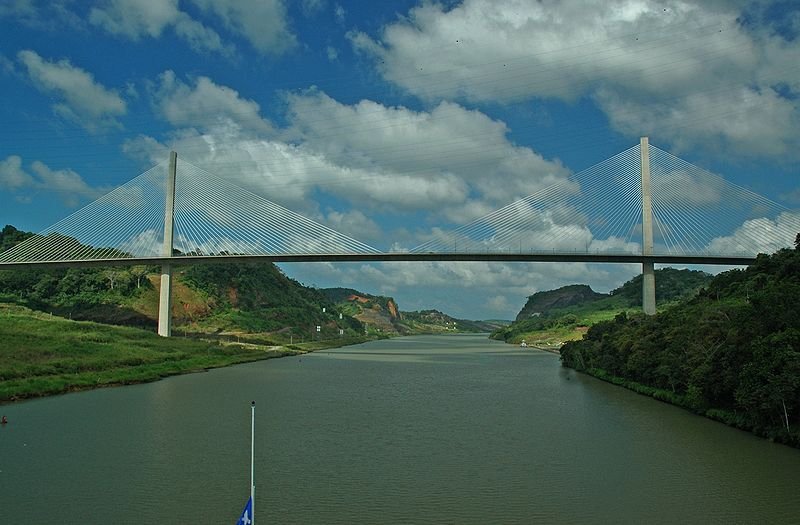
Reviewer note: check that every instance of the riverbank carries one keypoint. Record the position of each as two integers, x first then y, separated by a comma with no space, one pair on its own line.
45,355
553,349
726,417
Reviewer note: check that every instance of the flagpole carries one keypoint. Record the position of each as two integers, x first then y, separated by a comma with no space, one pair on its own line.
252,450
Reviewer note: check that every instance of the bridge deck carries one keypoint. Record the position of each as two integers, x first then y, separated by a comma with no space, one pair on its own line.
742,260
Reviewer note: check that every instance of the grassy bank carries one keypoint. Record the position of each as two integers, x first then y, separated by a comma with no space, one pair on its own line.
45,355
561,324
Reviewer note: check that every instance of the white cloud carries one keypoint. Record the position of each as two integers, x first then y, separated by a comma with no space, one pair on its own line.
148,243
671,187
12,176
340,13
332,53
689,71
614,245
264,23
46,15
277,171
446,162
456,161
201,38
500,304
205,104
21,8
761,235
135,19
84,100
354,224
69,185
745,120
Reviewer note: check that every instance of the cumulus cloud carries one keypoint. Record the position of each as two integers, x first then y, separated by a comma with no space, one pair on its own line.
39,14
204,104
135,19
83,100
760,235
281,172
671,187
444,159
69,185
445,165
446,162
264,23
746,120
12,176
200,37
691,70
354,223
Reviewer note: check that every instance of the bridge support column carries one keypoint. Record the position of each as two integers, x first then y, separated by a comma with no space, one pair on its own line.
165,298
648,288
648,271
165,302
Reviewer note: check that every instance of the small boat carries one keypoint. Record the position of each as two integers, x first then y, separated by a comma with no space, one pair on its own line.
523,344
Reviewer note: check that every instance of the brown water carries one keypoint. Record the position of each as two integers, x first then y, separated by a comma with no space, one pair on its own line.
454,429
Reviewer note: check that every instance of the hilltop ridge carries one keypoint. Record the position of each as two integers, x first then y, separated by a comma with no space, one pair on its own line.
551,317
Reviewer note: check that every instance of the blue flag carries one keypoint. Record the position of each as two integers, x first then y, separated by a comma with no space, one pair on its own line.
247,513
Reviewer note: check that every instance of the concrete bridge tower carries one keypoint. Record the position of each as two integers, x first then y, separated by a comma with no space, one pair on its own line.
648,271
165,297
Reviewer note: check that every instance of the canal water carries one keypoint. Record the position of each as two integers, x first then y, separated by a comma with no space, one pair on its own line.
435,429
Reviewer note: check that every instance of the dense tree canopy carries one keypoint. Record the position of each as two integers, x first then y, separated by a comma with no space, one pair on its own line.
732,352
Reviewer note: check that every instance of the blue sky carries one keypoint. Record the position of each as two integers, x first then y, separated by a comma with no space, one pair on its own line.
384,120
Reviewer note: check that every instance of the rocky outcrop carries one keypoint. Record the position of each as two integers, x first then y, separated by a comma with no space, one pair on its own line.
542,302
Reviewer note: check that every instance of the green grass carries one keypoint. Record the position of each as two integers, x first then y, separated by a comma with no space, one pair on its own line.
44,355
570,323
563,324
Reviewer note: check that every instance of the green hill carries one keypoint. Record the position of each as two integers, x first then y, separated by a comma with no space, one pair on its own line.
378,314
221,298
544,302
552,317
731,353
214,298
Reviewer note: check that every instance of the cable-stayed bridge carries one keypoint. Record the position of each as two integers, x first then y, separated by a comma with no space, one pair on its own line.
642,205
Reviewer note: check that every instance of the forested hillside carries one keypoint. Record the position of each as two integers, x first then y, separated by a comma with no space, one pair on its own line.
542,303
731,353
551,317
206,298
260,298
